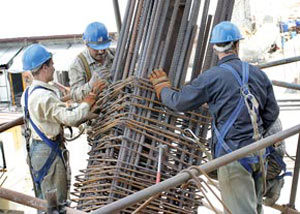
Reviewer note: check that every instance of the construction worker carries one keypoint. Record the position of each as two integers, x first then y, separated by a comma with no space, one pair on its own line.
92,66
242,105
44,116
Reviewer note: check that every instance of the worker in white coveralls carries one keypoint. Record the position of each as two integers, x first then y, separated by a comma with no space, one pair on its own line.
243,107
92,66
44,116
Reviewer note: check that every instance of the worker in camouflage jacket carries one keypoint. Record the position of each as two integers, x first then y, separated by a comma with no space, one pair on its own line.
92,66
242,104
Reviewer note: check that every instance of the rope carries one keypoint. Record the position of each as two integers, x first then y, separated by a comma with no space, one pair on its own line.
198,182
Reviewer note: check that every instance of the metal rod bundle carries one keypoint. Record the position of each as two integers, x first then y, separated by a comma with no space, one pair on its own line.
125,150
132,125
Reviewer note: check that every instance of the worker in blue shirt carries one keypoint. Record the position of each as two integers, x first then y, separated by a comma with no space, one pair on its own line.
242,104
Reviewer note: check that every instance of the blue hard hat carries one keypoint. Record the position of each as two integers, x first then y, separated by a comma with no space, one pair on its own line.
225,32
34,56
96,36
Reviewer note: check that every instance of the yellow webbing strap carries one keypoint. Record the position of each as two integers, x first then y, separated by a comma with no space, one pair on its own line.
86,66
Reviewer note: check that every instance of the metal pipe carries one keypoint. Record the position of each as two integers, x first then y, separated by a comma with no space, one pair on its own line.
207,167
286,85
288,100
29,201
289,105
279,62
8,125
117,15
39,38
295,177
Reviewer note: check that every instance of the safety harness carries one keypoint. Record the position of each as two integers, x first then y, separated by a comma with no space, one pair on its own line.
39,175
251,103
86,66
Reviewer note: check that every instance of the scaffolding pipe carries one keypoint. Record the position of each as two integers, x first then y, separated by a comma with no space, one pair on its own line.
207,167
29,201
295,178
279,62
286,85
11,124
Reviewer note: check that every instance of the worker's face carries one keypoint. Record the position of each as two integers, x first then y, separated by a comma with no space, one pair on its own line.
50,70
97,55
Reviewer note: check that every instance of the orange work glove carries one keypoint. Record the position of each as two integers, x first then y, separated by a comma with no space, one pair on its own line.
90,99
98,86
159,80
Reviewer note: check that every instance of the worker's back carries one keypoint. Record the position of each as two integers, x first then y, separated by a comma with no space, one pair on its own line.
224,95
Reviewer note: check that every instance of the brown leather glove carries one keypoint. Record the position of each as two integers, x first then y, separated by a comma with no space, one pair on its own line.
98,86
159,80
90,99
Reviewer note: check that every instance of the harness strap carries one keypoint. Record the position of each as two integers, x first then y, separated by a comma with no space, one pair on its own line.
86,66
246,99
40,174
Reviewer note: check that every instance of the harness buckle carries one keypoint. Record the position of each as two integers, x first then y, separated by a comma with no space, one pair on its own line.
244,90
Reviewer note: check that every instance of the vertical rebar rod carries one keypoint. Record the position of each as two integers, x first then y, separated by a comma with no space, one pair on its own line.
183,77
133,39
117,15
158,37
180,73
217,18
121,46
201,43
141,30
180,40
120,41
147,33
154,28
169,34
204,47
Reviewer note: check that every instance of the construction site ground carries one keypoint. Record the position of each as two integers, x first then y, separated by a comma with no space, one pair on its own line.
18,177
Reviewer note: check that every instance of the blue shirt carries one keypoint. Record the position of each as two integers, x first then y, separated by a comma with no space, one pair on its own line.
220,90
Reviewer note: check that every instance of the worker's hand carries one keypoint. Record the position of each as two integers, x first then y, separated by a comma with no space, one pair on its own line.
98,86
90,99
95,78
159,80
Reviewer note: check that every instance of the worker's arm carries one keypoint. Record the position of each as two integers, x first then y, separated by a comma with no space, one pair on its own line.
270,111
78,83
66,98
191,96
52,110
